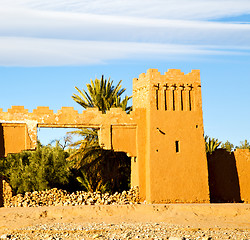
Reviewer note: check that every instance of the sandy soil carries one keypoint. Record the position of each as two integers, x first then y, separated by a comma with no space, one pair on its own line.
202,216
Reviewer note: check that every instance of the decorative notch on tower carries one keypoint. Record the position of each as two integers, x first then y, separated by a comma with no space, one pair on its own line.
181,87
190,97
173,89
165,89
157,88
176,97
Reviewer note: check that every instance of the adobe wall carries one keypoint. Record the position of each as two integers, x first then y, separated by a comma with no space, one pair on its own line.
229,176
14,138
223,177
242,157
163,134
173,117
18,126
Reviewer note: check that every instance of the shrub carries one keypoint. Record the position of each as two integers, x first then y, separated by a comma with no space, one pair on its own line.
44,168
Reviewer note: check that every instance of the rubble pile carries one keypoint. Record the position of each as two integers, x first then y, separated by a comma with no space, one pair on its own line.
58,197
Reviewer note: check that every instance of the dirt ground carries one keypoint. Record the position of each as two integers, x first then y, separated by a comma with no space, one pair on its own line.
202,216
195,215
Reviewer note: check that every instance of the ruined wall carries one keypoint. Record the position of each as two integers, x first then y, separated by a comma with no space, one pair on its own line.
14,138
18,126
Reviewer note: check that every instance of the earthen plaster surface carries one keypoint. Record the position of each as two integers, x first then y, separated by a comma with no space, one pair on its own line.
163,134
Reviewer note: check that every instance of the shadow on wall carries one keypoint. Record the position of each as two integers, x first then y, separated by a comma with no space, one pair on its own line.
2,148
223,177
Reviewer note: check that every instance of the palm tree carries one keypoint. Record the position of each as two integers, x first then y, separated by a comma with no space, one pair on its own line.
100,169
211,144
102,94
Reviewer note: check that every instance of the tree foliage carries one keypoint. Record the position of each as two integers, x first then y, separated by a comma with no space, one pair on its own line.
103,95
211,144
99,169
228,146
44,168
244,145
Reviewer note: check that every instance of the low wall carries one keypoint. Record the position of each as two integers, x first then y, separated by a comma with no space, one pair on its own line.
242,157
229,177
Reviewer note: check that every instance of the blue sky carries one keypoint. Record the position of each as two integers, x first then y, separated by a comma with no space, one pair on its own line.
49,47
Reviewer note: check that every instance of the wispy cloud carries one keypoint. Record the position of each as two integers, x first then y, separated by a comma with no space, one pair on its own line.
46,24
164,9
88,32
55,52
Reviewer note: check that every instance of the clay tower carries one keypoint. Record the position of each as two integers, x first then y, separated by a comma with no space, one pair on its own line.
173,166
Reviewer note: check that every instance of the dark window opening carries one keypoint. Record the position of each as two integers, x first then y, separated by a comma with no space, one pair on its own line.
181,100
157,96
157,107
177,146
165,99
190,101
173,102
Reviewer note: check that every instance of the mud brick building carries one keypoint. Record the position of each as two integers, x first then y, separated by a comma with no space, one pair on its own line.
163,135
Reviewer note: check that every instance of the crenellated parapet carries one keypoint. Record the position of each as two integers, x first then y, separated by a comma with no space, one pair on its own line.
66,117
173,91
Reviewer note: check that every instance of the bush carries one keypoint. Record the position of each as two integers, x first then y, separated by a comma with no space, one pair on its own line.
44,168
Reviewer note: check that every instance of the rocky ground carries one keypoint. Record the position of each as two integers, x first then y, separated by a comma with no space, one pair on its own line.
132,221
123,231
58,197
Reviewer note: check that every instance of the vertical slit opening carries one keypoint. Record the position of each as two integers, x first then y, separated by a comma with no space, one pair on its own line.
157,101
189,96
173,101
181,100
177,146
165,99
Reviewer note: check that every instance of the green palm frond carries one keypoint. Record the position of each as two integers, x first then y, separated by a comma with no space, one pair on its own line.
103,94
211,144
99,168
83,180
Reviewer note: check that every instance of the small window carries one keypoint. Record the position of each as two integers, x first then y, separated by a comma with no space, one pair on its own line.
177,146
173,100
